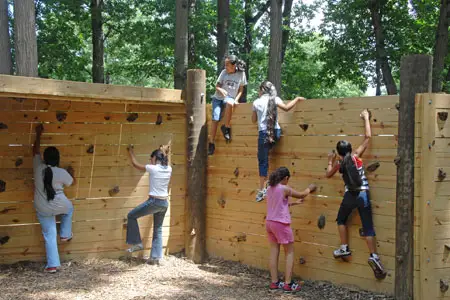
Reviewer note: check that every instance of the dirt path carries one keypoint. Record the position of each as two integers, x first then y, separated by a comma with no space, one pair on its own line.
177,278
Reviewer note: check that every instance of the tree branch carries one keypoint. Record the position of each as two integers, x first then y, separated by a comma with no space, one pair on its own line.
260,12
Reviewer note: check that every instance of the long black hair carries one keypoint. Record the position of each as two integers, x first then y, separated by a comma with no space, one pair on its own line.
278,175
268,90
51,159
235,61
344,149
162,154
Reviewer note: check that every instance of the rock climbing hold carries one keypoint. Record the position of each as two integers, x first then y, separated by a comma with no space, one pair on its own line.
236,172
3,126
115,190
221,201
90,149
302,260
321,222
107,118
441,174
2,186
443,115
19,162
397,160
61,116
241,237
132,117
304,126
159,119
4,239
373,166
443,285
397,106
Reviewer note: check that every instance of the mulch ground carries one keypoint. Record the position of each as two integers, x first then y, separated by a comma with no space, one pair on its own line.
176,278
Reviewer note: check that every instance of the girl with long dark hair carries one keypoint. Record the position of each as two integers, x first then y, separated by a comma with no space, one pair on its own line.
265,112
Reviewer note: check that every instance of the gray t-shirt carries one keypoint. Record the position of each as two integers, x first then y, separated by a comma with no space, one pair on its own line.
230,82
260,107
61,178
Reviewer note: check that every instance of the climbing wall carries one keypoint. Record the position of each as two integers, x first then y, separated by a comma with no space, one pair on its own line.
235,221
92,137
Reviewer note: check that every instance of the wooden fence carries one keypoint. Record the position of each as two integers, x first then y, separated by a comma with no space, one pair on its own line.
91,125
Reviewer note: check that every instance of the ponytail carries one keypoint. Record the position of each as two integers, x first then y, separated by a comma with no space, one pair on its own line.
278,175
162,154
268,90
238,63
51,158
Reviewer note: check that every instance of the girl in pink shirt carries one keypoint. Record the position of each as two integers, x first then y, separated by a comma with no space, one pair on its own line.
278,226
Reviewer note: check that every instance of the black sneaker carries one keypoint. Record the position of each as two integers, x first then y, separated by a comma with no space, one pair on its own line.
211,148
226,131
377,267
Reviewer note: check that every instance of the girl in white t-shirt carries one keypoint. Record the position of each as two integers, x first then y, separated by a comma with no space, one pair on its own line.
266,114
50,200
157,204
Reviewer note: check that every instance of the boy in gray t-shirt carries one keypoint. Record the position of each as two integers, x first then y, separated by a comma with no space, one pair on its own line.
229,88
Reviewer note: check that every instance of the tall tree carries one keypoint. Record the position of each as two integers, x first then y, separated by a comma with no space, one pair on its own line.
286,26
274,73
440,46
192,61
181,43
223,19
25,38
5,42
375,7
98,70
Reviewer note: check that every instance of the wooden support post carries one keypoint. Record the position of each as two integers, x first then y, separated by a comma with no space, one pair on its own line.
197,137
415,77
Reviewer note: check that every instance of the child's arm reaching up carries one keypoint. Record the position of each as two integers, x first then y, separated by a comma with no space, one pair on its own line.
368,133
290,105
290,192
333,166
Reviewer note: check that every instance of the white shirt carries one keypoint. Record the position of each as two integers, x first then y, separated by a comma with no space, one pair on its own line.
260,107
230,82
61,178
159,180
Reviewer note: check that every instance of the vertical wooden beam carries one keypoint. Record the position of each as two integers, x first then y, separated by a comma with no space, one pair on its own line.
415,77
197,136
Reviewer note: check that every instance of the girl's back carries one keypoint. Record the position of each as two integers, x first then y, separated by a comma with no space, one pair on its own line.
277,205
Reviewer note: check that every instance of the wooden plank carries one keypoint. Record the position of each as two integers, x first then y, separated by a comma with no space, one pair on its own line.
442,101
28,87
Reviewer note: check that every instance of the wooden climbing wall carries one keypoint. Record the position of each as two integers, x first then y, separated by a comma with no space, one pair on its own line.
91,125
235,222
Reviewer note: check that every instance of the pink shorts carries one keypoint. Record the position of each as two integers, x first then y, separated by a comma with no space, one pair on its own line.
279,233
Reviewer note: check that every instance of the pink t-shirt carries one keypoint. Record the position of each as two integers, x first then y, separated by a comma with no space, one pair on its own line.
277,205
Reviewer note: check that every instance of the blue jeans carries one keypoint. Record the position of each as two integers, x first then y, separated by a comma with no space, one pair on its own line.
48,224
218,107
263,151
158,208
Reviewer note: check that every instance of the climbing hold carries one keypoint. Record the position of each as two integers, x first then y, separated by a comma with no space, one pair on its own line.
443,115
107,118
373,166
361,232
321,222
4,240
397,106
447,247
443,285
132,117
397,160
61,116
2,186
221,201
115,190
302,260
159,119
236,172
90,149
3,126
441,174
304,126
241,237
19,162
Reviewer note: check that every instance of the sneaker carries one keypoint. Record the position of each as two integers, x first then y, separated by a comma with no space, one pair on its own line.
153,261
68,239
341,252
50,270
135,248
276,285
261,195
211,148
377,267
226,131
292,287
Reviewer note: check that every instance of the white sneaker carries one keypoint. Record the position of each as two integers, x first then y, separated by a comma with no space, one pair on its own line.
261,195
338,253
135,248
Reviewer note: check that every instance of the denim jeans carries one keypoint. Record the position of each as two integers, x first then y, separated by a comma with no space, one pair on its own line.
158,208
218,107
48,224
263,151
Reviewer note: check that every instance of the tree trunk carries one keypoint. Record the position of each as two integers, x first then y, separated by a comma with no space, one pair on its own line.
375,9
191,38
181,43
286,26
98,72
440,47
25,38
223,19
5,42
378,78
275,44
446,86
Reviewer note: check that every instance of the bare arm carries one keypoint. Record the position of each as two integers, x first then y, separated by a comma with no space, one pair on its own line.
290,105
37,143
71,172
368,134
135,163
333,165
299,195
239,94
221,90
